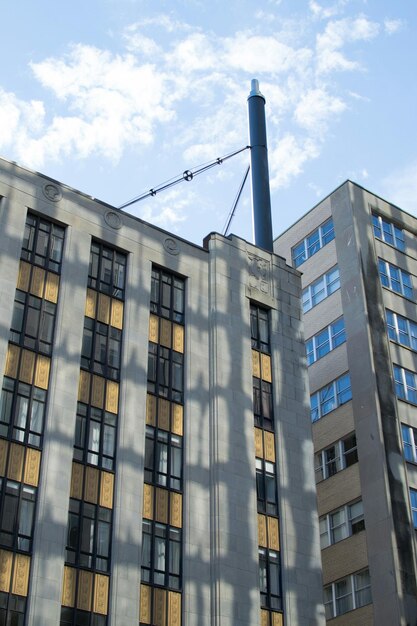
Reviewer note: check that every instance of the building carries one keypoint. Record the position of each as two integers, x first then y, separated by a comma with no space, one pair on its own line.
155,444
358,256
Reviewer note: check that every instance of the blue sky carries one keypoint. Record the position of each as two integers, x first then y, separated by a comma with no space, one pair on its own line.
114,97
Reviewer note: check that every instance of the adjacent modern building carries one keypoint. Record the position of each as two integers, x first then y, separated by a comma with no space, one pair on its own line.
358,257
156,459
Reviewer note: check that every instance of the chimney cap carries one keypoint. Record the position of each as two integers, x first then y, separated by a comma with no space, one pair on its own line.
255,89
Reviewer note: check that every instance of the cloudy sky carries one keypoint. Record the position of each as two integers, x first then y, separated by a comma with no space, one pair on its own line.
114,97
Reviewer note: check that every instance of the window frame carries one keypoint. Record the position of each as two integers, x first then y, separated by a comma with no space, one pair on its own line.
99,254
384,229
75,546
413,506
334,338
327,465
271,596
34,226
315,241
19,541
388,279
167,361
21,395
266,486
150,573
323,284
330,392
351,524
353,592
403,389
87,419
259,323
401,329
172,482
159,278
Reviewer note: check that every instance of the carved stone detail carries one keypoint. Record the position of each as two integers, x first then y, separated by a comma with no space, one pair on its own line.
259,274
113,220
52,192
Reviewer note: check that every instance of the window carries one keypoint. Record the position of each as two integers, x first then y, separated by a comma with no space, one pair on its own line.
88,536
95,436
266,487
163,458
409,443
33,322
388,232
312,244
413,503
17,507
76,617
328,398
401,329
270,579
107,270
395,279
346,521
325,341
101,348
262,404
161,554
405,384
321,289
167,295
12,609
347,594
165,372
43,243
22,410
259,326
336,457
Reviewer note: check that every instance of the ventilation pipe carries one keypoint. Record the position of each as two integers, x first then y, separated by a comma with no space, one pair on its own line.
261,198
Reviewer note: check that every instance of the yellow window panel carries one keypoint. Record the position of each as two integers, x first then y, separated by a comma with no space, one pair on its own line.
12,361
97,392
259,447
256,368
176,509
277,619
77,475
101,594
148,495
24,276
151,410
21,575
90,303
177,419
153,328
103,309
52,287
68,586
43,365
84,387
159,607
166,331
161,505
174,608
262,540
32,466
178,338
27,366
16,457
38,281
6,560
163,413
4,446
265,618
266,368
116,318
106,489
273,533
112,396
145,606
269,443
91,484
85,590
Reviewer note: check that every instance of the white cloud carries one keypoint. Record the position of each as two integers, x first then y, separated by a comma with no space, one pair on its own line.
400,187
167,210
322,12
315,108
393,26
287,158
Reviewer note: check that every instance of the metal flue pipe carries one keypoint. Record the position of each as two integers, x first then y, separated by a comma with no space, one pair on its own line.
261,198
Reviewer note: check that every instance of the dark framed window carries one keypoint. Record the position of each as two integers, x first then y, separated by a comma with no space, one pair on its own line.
12,609
76,617
95,436
336,457
167,295
266,487
88,535
43,243
165,372
33,322
107,270
161,554
101,349
22,411
259,327
270,579
17,507
262,404
163,458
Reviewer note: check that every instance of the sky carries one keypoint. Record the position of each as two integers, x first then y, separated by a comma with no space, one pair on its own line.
115,97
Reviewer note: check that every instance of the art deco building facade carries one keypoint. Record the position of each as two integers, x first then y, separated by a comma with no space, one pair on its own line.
358,256
155,445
